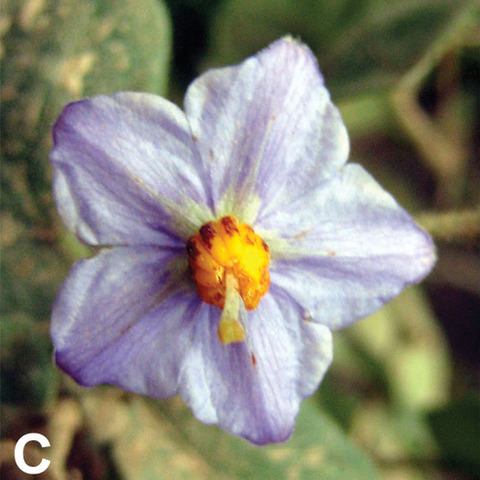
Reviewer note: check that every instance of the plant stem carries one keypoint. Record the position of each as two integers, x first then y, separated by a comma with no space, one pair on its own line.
452,227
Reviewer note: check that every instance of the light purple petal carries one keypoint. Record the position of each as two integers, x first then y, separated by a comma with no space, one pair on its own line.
121,163
267,126
120,318
254,388
349,248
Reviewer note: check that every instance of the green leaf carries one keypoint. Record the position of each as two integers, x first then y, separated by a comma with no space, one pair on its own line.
31,275
456,429
59,51
27,373
162,440
362,45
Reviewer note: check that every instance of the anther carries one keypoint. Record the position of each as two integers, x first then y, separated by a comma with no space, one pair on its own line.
229,263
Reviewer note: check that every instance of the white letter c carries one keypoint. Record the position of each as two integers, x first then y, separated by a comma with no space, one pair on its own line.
20,447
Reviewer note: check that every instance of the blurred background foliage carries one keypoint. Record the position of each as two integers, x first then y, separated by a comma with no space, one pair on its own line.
401,401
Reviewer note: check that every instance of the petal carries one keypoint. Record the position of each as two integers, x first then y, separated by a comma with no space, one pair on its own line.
120,318
348,249
266,127
254,388
125,169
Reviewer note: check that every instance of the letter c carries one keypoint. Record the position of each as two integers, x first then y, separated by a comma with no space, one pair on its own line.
20,447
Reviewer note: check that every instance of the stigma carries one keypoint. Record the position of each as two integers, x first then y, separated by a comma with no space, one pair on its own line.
229,264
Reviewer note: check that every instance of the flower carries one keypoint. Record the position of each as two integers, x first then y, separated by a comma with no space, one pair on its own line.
261,147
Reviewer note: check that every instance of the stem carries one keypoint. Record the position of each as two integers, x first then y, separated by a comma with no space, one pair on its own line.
453,227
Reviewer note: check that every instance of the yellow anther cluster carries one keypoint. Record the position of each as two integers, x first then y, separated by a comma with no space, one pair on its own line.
223,248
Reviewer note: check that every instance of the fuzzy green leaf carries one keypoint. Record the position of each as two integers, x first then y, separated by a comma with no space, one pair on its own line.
185,448
59,51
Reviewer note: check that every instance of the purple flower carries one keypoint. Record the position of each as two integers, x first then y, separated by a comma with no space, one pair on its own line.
136,178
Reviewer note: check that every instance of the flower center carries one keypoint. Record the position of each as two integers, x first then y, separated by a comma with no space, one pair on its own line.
229,263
